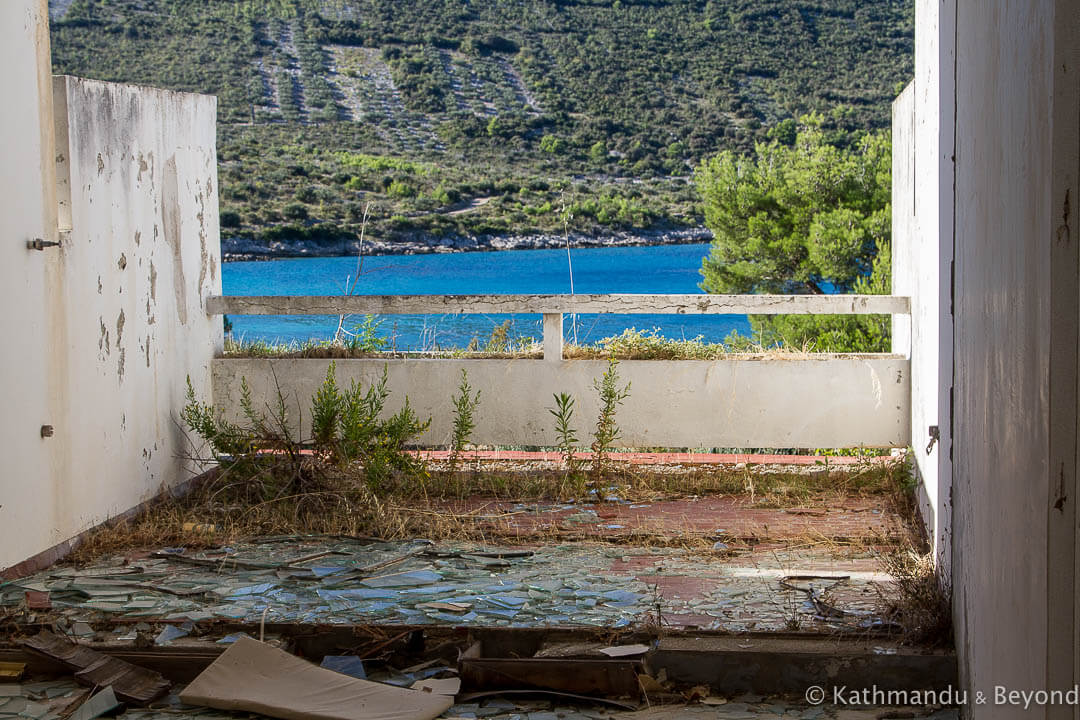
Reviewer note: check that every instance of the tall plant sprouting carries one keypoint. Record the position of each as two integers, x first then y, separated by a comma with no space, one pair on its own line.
610,396
563,412
326,413
465,404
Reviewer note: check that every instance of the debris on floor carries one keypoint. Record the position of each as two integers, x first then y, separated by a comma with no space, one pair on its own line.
343,581
131,683
101,702
254,677
48,700
606,677
11,672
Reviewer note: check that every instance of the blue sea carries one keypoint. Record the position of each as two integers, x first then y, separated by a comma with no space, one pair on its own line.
660,269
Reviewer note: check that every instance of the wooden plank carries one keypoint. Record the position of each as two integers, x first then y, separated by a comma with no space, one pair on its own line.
606,678
131,683
551,304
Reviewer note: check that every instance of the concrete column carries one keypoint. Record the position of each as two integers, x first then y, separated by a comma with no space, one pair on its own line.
553,336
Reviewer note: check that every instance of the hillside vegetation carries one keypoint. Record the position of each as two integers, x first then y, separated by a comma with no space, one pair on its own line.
466,117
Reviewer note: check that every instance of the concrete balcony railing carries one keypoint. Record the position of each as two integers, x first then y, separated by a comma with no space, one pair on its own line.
768,400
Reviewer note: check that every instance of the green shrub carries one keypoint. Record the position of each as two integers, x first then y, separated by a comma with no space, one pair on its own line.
294,211
229,219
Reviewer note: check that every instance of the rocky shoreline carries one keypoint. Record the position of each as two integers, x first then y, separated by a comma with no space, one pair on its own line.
241,248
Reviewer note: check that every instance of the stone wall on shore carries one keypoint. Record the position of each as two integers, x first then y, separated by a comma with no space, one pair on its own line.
241,248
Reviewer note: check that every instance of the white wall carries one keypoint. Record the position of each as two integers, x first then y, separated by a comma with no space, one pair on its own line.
102,331
1015,424
28,507
143,255
775,401
922,253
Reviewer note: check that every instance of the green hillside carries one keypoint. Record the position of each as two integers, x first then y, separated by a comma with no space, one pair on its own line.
490,116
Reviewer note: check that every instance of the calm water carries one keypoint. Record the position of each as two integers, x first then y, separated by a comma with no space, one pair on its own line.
664,269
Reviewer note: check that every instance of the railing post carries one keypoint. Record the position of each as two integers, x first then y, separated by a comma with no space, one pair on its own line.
553,335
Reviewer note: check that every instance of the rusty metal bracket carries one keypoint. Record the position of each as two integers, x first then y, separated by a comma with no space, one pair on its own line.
39,244
935,435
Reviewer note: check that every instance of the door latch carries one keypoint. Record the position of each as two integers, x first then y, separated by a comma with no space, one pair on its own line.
935,435
39,244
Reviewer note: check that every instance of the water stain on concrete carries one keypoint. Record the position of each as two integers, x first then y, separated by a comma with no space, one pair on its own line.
171,225
203,255
143,167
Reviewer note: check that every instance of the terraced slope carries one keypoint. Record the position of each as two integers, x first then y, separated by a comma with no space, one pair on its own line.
579,115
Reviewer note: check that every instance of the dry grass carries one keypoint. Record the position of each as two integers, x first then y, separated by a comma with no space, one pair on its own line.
923,607
301,496
630,345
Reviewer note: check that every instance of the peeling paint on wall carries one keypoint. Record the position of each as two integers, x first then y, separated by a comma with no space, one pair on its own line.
103,341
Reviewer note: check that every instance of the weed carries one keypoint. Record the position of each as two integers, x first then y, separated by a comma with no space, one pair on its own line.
326,412
501,343
265,461
563,413
465,404
631,344
793,621
365,338
607,431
